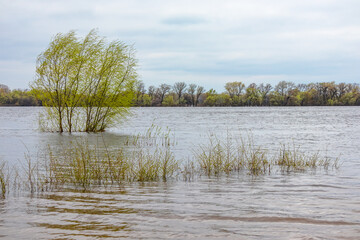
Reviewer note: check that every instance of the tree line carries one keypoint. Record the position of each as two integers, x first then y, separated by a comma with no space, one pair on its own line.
17,97
284,93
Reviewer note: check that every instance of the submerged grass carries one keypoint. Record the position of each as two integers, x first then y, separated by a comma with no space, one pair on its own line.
224,157
4,181
219,157
291,159
146,158
149,157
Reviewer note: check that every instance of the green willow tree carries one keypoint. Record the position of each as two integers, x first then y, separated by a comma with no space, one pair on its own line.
86,84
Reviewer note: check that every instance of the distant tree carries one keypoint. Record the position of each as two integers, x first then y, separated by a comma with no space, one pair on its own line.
4,88
152,94
283,88
252,96
187,99
325,91
163,90
264,92
302,87
191,90
179,88
147,100
199,90
139,93
342,88
252,85
234,88
294,97
151,91
168,101
218,100
308,97
18,97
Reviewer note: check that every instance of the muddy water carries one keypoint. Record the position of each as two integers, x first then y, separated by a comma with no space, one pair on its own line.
310,205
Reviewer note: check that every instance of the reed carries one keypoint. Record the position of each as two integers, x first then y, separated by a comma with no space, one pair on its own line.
254,159
82,164
4,181
224,157
188,170
290,158
146,157
118,167
151,157
30,171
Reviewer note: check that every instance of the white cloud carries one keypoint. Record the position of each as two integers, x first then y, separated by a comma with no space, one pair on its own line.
198,40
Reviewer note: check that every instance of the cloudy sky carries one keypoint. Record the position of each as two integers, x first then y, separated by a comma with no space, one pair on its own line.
207,42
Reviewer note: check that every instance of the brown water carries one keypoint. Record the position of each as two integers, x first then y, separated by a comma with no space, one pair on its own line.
309,205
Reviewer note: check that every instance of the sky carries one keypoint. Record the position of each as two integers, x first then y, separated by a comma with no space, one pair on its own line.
206,42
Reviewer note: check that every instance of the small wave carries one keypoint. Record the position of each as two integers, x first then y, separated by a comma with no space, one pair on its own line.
310,185
277,219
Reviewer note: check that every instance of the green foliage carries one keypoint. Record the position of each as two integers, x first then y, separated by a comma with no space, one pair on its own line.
85,83
284,94
168,101
146,100
234,88
252,97
18,97
218,100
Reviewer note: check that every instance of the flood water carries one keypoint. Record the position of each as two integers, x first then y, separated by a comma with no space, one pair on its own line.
307,205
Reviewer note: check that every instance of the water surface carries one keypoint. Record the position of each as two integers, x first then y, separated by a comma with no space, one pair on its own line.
309,205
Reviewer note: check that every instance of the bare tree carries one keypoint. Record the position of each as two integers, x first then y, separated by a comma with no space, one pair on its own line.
252,85
302,87
179,88
264,91
341,89
191,91
283,87
200,90
162,90
139,92
151,91
4,88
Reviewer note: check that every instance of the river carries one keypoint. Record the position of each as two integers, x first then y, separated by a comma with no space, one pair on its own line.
303,205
